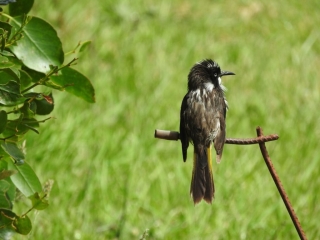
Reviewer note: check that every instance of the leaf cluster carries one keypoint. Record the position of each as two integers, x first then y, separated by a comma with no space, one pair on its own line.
31,55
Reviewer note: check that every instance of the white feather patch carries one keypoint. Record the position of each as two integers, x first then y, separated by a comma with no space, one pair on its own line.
196,94
209,86
220,83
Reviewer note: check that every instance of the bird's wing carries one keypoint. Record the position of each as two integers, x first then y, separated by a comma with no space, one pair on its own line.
183,137
220,138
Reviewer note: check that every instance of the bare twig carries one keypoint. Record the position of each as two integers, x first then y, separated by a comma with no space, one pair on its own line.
281,190
167,135
172,135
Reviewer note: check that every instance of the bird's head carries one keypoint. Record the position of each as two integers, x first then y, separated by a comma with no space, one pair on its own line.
205,73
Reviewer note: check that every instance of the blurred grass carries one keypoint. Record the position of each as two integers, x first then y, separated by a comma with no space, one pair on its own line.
114,180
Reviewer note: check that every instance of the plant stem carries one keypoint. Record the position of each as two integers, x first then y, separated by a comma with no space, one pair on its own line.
47,77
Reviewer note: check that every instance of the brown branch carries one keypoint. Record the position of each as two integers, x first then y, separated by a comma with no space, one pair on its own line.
167,135
172,135
281,190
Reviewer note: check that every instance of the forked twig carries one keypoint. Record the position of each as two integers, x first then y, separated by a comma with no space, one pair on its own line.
173,135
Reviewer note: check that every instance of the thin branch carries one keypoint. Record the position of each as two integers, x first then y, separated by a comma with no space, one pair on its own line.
172,135
41,121
4,139
167,135
281,190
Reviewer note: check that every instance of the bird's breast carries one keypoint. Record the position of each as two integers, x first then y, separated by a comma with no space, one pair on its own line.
209,97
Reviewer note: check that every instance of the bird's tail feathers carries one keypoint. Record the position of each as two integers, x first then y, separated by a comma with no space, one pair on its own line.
218,158
202,186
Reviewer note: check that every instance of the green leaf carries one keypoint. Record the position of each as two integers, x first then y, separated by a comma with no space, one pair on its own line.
31,95
26,110
29,124
3,164
25,79
5,63
20,7
3,156
44,105
20,126
11,193
84,46
53,85
38,202
22,224
11,222
6,173
38,103
25,179
6,26
13,150
75,83
12,128
14,72
5,201
6,75
81,47
6,53
10,94
3,120
6,219
35,76
40,46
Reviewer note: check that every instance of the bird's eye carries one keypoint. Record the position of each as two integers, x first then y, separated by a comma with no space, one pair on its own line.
215,75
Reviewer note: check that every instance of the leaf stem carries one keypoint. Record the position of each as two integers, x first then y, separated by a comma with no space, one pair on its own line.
74,50
32,86
4,139
6,15
54,70
33,206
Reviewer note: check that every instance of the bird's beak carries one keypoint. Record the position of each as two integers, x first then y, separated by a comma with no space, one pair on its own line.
224,73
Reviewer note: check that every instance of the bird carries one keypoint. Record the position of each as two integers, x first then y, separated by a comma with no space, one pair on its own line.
203,124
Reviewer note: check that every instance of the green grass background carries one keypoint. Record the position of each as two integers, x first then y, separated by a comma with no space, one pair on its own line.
113,180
